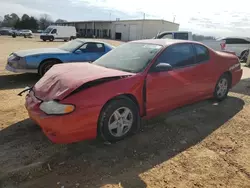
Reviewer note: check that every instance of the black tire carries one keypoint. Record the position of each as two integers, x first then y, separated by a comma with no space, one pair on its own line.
51,39
44,40
221,95
25,36
244,55
45,66
107,114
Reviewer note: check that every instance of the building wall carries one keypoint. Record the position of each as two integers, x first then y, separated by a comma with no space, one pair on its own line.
123,30
99,29
152,28
140,29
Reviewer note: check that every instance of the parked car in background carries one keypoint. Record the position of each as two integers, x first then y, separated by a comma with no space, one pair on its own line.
186,35
17,32
41,60
26,33
143,78
239,45
54,32
181,35
5,32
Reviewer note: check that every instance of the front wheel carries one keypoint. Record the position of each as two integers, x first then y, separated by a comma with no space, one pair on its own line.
118,120
45,67
222,87
51,39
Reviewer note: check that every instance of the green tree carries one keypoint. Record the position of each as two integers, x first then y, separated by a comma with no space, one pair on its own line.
60,21
10,20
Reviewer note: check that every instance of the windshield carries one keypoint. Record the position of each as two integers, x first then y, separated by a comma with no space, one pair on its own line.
129,57
48,30
72,45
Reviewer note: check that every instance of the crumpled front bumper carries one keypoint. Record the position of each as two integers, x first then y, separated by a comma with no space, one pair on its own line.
18,66
63,129
11,69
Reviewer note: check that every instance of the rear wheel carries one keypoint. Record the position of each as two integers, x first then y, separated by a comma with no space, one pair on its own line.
244,55
46,66
222,87
118,120
44,40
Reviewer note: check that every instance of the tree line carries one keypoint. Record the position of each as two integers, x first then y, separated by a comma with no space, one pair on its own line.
28,22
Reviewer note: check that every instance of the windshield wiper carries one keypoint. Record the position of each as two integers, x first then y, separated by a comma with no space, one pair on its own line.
25,90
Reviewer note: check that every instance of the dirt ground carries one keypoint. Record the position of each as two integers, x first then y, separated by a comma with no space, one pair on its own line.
202,145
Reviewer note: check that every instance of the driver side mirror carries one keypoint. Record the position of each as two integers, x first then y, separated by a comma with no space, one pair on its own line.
78,51
162,67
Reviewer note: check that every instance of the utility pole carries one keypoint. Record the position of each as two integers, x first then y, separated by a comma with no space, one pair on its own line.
144,15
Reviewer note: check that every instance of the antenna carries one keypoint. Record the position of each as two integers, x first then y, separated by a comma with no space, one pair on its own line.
174,18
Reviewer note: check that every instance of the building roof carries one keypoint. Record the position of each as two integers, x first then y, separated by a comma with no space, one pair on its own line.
157,20
110,21
86,21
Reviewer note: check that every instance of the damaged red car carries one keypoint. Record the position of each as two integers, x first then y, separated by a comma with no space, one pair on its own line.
138,79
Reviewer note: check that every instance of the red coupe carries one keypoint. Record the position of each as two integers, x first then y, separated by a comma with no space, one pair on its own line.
144,78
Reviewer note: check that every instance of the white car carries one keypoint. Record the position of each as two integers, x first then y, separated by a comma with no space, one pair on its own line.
26,33
239,45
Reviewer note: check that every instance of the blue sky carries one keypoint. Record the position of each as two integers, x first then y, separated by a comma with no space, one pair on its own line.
213,17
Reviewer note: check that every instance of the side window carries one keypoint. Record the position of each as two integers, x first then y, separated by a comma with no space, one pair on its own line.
92,47
54,31
178,55
236,41
202,53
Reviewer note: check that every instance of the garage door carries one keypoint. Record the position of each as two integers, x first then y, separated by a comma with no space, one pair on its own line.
132,32
119,28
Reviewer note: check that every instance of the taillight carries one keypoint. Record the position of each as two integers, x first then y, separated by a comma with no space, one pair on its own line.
223,45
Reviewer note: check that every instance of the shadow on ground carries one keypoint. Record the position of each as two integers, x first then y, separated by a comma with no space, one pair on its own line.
55,41
243,87
16,81
93,164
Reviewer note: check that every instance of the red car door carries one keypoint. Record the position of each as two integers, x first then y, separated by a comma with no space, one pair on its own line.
206,75
169,89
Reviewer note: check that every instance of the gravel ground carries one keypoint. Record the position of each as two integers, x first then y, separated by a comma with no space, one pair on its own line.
201,145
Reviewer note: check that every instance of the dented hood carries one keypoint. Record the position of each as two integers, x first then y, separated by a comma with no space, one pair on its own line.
63,79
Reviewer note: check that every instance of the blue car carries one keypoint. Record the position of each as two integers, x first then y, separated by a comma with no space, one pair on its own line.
41,60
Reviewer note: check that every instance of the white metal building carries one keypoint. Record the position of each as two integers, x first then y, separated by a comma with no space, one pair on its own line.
125,30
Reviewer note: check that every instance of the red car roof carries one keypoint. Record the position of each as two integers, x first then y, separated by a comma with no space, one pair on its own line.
163,42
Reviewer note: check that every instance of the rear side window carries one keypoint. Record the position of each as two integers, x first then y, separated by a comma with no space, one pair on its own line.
202,53
92,47
178,55
236,41
181,36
